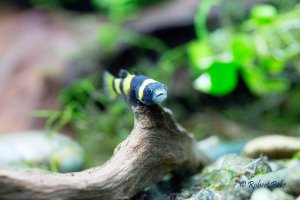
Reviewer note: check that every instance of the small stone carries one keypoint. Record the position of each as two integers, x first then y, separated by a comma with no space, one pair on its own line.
204,195
38,149
266,194
185,194
293,181
281,195
273,146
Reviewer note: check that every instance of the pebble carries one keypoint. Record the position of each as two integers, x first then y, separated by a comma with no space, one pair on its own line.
266,194
293,181
205,194
38,148
273,146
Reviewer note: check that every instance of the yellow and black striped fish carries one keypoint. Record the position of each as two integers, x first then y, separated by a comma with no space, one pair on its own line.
136,88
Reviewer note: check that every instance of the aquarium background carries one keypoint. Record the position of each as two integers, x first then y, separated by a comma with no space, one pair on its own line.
232,68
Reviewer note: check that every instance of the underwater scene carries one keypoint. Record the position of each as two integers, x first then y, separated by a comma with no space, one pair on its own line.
150,100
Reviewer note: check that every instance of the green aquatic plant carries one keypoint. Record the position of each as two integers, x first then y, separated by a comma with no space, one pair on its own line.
96,120
217,180
297,155
261,171
74,98
259,50
113,37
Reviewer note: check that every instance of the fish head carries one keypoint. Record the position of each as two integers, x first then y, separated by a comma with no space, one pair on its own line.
154,93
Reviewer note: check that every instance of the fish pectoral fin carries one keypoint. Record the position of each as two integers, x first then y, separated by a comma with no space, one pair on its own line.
130,98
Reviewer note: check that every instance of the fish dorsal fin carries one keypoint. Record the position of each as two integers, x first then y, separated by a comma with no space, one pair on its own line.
136,73
123,73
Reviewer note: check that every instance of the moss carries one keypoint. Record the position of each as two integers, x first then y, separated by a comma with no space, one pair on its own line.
218,179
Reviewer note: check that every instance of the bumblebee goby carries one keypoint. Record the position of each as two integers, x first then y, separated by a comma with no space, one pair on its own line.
136,88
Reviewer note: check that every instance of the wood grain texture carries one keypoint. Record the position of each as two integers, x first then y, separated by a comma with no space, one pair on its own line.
156,146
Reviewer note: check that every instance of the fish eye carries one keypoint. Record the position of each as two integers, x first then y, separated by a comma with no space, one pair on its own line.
149,91
166,88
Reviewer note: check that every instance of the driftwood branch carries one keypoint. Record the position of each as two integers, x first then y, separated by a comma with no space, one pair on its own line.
156,146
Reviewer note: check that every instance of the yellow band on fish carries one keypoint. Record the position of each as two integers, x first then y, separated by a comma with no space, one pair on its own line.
117,85
126,83
142,87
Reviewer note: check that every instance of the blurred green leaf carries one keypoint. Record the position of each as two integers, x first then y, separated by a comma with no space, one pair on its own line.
201,55
242,48
297,155
263,14
269,41
220,79
220,40
272,65
261,84
109,38
201,16
78,92
112,37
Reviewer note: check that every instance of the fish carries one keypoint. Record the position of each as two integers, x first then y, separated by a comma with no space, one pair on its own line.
136,88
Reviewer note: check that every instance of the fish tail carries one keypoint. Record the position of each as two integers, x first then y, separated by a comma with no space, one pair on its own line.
108,81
